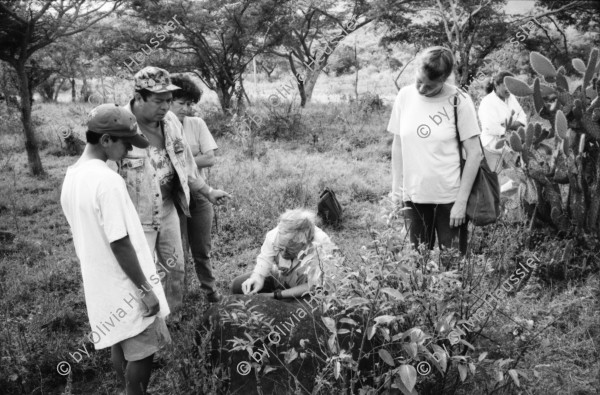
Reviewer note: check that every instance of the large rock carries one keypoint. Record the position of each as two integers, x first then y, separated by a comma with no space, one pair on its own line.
269,346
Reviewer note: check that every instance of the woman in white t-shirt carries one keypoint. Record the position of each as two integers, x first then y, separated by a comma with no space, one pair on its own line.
198,226
499,111
426,174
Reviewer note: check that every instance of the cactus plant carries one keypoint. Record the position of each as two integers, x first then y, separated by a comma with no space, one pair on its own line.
566,157
541,65
515,142
579,65
517,87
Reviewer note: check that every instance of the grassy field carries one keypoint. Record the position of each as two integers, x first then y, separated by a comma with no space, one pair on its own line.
340,145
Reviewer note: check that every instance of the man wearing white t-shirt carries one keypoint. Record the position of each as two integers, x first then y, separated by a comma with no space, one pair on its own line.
125,300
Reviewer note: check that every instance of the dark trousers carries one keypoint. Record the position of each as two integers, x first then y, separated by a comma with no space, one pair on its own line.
271,284
424,221
198,231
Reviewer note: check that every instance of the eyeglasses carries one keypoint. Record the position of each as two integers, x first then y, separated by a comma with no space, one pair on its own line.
287,243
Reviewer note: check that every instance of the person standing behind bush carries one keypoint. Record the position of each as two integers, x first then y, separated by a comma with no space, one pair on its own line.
499,111
426,172
197,228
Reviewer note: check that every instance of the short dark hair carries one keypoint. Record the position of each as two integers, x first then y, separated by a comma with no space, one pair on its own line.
145,93
94,138
189,90
497,80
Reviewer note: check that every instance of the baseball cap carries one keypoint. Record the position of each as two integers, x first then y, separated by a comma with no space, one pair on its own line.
116,122
154,79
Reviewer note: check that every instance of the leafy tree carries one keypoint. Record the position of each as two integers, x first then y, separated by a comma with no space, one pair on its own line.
219,38
472,29
72,57
553,36
269,63
26,27
315,31
583,15
50,88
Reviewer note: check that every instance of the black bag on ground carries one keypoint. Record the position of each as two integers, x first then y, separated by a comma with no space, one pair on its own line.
329,208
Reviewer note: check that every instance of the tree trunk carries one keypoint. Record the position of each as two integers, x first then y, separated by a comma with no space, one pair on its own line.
241,97
307,86
225,93
46,89
31,145
462,79
57,91
357,67
302,92
73,93
307,82
85,90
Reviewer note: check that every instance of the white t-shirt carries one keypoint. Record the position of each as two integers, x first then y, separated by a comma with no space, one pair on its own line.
198,137
493,114
430,159
99,210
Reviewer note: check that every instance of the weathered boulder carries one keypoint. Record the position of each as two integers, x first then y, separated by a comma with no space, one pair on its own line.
268,346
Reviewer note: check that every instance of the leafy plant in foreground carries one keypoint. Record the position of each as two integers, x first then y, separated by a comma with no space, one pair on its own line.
394,323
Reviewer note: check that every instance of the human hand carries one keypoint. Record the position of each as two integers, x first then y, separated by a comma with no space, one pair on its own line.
151,302
218,197
458,214
252,285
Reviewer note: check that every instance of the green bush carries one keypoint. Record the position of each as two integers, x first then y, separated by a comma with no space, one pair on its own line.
397,321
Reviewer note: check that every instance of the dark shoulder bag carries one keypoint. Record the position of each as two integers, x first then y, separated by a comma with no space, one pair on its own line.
329,208
483,206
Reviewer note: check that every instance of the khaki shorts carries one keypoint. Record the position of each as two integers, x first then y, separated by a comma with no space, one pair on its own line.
148,342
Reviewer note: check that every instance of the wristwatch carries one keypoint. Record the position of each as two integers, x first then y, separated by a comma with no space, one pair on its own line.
277,294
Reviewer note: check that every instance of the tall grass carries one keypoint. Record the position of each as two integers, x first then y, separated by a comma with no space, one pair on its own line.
42,308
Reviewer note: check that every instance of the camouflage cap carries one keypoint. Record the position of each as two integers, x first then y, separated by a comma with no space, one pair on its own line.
154,79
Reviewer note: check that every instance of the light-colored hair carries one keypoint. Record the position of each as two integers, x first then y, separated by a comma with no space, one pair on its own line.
436,62
298,224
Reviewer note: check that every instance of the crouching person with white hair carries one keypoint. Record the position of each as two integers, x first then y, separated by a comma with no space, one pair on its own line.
291,261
